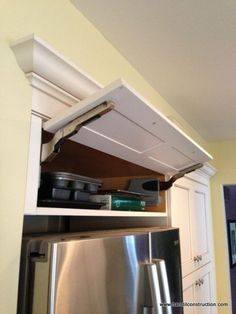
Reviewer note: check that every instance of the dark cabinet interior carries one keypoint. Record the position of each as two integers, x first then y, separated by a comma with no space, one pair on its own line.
114,172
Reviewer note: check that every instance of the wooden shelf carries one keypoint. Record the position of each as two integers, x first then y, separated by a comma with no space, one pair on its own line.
48,211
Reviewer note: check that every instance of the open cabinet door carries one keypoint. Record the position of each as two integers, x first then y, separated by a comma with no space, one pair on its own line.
133,130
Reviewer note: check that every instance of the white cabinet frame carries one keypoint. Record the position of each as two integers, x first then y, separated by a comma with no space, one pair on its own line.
134,131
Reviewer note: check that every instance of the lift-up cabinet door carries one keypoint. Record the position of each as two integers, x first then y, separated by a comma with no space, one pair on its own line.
133,130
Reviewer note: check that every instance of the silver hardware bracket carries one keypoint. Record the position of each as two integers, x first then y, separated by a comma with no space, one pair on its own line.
52,148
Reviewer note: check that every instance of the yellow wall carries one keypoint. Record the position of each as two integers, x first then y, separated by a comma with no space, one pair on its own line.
224,161
65,29
15,97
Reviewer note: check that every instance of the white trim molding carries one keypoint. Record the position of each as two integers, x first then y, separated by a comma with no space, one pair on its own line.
207,170
43,66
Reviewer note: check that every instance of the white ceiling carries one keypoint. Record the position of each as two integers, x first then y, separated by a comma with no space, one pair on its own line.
186,49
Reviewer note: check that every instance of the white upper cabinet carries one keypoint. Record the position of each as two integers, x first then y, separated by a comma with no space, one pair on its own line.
133,130
191,213
190,210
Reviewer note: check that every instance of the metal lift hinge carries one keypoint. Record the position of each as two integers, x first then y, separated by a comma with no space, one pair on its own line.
52,148
155,185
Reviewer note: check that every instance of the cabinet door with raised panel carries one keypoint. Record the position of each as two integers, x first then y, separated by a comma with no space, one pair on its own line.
198,292
190,213
181,218
200,224
188,297
203,294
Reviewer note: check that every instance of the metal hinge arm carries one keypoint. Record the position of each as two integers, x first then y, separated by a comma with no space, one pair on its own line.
52,148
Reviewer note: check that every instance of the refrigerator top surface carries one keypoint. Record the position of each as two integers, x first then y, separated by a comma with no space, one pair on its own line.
85,235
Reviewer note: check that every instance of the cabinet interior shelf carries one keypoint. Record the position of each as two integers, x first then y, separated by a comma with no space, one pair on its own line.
48,211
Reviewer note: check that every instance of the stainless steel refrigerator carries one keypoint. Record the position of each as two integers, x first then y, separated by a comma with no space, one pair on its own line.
106,272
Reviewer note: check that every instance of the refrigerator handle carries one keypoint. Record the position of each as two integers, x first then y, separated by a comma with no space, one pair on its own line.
154,287
147,310
164,285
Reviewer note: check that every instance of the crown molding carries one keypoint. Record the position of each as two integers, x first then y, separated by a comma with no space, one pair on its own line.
207,170
36,56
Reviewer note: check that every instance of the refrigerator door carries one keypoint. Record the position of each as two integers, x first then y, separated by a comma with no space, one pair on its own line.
102,276
166,254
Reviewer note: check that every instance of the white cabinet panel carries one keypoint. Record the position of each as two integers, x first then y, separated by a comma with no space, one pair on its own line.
199,217
190,212
203,293
33,169
170,155
130,134
180,215
198,292
188,296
